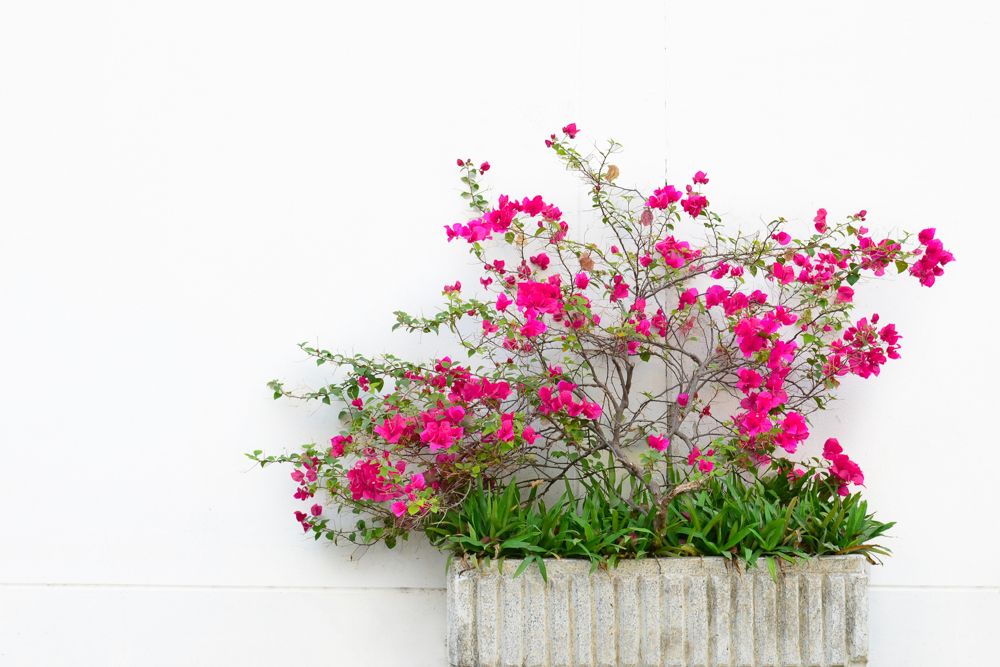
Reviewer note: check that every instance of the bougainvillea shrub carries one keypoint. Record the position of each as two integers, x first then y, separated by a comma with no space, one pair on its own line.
660,343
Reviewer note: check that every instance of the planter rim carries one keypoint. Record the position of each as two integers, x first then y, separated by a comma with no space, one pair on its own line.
852,563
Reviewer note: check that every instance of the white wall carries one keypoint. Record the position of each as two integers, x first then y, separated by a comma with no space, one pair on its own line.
187,189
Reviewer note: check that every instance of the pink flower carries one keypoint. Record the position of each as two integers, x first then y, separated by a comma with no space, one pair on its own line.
751,335
845,294
831,448
694,204
658,442
570,130
484,167
366,481
503,301
506,431
528,435
704,464
543,297
715,295
316,510
693,455
783,273
748,379
675,253
592,411
682,400
460,162
418,481
392,429
701,178
820,220
793,431
337,445
533,327
934,256
619,289
541,260
664,197
582,280
398,508
688,298
783,238
782,352
439,434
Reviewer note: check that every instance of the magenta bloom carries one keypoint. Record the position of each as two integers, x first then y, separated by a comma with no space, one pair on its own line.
675,253
337,445
582,280
664,197
658,442
533,327
542,297
700,178
831,448
715,295
928,267
820,220
748,379
845,294
570,130
688,297
682,400
619,289
694,204
541,260
392,429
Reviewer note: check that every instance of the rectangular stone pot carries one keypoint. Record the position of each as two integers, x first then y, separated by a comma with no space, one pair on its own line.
660,612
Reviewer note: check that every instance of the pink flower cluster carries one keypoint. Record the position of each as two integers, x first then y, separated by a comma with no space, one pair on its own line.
762,422
705,464
933,257
692,202
498,220
863,349
561,399
842,468
676,253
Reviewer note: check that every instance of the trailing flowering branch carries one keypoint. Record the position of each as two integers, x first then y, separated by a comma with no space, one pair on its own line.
669,348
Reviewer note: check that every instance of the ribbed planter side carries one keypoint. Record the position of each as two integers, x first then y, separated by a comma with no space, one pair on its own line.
692,612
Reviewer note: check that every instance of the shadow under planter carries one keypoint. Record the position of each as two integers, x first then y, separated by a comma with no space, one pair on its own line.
660,612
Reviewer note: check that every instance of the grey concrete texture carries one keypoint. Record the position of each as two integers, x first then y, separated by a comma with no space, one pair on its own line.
665,612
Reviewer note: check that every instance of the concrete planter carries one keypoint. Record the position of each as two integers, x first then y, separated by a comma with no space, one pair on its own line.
660,612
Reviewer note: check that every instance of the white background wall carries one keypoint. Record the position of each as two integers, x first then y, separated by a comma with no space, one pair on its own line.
187,189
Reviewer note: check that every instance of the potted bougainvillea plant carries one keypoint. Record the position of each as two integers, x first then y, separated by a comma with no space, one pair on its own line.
617,462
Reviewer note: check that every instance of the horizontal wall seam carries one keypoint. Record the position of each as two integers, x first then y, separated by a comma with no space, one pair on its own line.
401,589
